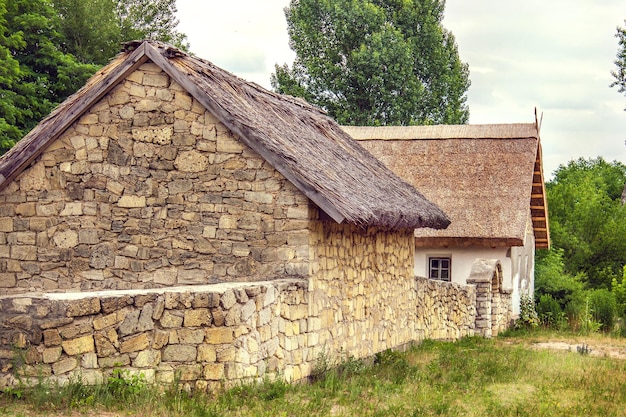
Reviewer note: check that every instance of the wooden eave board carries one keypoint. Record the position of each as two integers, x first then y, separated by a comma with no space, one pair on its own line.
539,204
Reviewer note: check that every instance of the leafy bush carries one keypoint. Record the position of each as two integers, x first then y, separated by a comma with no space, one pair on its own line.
552,279
619,291
604,308
123,384
550,313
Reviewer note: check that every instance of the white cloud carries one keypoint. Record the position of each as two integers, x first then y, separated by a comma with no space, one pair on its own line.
246,37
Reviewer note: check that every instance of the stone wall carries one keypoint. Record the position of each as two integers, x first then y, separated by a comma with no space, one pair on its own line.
362,287
219,335
145,190
444,310
494,309
206,336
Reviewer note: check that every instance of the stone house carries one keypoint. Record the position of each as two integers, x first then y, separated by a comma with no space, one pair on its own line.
170,217
165,170
488,179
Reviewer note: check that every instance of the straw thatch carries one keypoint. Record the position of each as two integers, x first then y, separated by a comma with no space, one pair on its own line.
299,140
487,178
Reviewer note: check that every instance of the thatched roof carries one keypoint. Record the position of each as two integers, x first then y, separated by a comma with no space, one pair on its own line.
299,140
487,178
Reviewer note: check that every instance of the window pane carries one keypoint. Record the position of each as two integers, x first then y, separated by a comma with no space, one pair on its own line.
439,268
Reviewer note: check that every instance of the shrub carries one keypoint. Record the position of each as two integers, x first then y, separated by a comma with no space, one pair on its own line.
604,308
619,291
552,278
574,313
549,312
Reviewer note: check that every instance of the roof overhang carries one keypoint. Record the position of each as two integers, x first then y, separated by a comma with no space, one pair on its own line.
466,242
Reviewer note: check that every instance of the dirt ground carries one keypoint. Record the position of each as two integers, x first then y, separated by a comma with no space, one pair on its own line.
595,345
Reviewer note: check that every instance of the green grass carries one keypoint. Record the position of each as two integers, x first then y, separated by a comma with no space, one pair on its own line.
472,377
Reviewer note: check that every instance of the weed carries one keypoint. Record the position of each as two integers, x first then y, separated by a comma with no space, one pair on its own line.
528,315
123,385
588,324
583,349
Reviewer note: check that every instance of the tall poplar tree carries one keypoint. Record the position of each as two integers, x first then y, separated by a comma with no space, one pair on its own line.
375,62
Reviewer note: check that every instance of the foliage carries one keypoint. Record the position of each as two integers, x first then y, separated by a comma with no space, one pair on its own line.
528,315
150,19
375,62
94,29
124,385
90,29
550,313
587,322
587,219
619,292
551,279
620,62
604,308
35,73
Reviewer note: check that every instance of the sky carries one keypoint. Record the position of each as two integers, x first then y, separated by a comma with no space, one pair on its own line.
554,56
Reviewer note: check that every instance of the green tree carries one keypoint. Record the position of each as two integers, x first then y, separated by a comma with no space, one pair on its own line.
90,29
150,19
552,280
620,61
94,29
375,62
35,74
10,75
587,219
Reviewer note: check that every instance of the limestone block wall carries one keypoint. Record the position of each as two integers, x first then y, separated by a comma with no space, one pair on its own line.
444,310
362,287
501,311
494,310
147,189
206,336
219,335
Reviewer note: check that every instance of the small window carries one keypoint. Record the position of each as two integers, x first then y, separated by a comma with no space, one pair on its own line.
439,268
